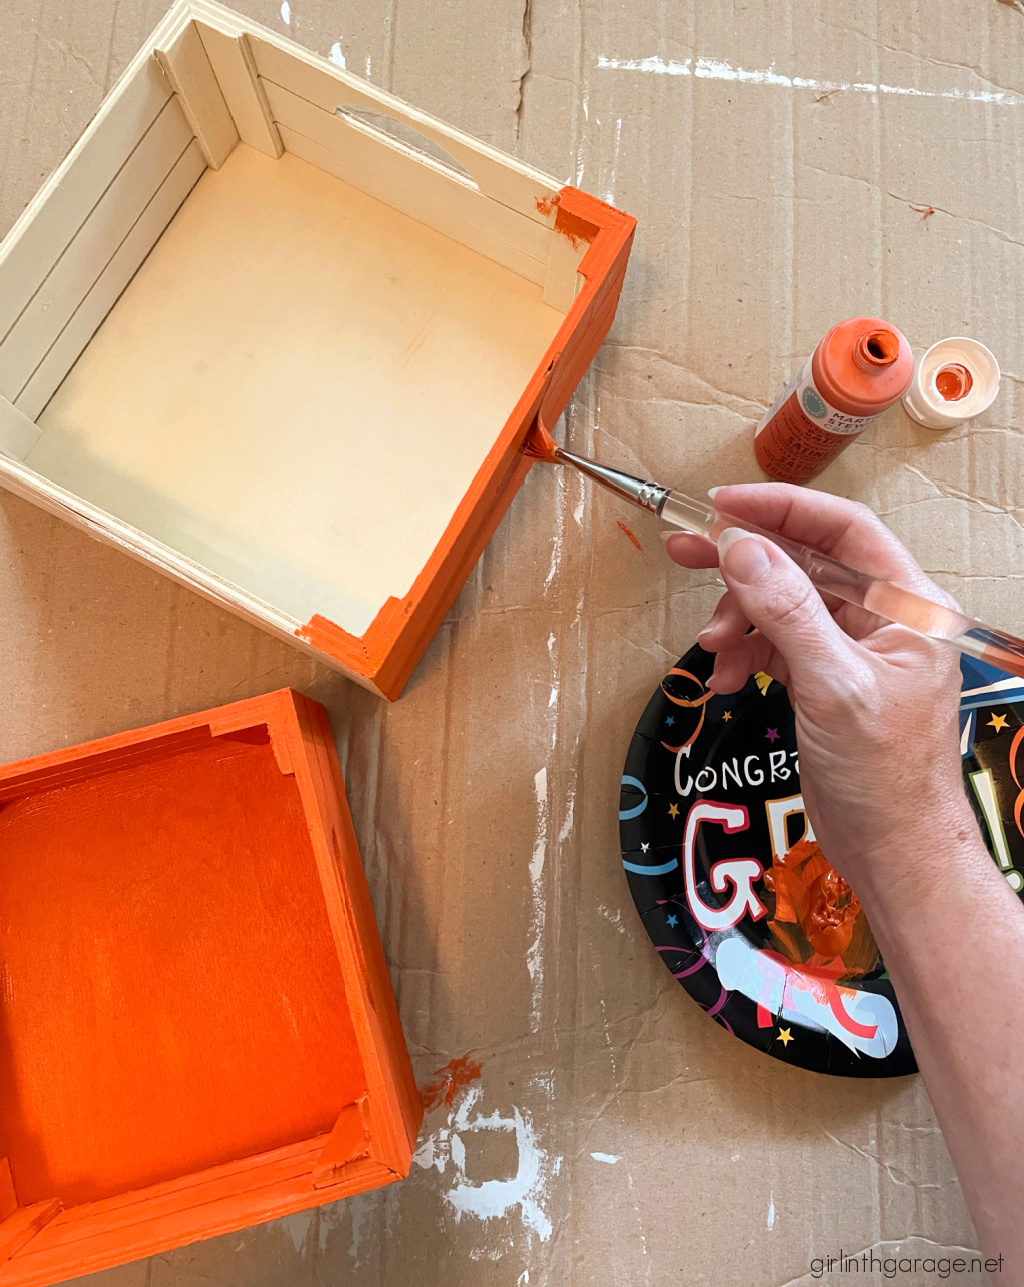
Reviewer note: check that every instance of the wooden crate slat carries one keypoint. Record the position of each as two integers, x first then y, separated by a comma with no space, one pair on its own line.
118,272
235,70
188,69
92,248
497,175
18,434
59,209
386,179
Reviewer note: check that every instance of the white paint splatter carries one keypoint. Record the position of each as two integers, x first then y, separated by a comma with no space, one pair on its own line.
610,1158
492,1199
609,195
368,66
337,57
563,835
297,1227
771,1210
360,1212
534,954
719,69
613,918
556,544
639,1222
523,1279
553,694
540,790
286,13
433,1151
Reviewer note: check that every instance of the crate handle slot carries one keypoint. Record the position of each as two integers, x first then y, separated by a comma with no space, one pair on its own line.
405,136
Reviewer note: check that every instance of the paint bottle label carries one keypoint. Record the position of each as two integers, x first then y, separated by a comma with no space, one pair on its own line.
801,433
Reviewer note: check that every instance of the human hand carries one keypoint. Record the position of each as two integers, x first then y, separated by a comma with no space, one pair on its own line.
875,703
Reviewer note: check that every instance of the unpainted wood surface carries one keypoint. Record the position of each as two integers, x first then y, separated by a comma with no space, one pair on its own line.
485,799
301,408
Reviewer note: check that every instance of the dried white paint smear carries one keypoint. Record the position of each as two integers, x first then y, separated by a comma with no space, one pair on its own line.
337,57
286,13
610,1158
719,69
771,1211
534,953
492,1199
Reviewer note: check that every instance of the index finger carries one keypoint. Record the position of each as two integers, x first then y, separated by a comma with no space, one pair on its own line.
845,529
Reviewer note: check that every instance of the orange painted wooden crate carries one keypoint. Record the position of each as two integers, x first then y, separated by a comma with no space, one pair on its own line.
281,336
197,1028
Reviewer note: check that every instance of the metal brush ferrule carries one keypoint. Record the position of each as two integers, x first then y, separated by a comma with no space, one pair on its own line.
652,497
648,495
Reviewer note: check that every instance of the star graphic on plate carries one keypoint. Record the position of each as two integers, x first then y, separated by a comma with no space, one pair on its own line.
997,722
673,810
673,921
670,720
644,846
772,735
785,1036
726,714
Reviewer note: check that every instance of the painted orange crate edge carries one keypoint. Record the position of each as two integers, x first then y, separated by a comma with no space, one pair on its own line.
401,632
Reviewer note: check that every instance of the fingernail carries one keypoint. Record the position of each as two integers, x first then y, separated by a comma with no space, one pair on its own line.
747,559
712,490
666,535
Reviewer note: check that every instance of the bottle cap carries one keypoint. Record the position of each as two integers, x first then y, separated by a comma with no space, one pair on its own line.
954,381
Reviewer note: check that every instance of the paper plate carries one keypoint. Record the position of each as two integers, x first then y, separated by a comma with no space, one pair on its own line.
738,901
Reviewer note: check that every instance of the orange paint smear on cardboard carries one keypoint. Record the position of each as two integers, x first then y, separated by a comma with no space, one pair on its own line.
631,536
456,1075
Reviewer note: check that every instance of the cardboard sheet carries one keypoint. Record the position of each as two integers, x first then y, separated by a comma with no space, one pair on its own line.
603,1130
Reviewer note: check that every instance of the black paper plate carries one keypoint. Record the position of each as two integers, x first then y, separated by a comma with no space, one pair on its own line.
712,784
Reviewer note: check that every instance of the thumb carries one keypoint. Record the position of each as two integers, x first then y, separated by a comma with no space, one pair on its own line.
778,598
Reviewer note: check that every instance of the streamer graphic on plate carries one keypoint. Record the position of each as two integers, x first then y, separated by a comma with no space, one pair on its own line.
733,889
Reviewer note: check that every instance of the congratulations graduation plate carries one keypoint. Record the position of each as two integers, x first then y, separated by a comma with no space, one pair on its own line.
730,883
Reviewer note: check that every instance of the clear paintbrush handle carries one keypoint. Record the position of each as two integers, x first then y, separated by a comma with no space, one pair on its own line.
880,597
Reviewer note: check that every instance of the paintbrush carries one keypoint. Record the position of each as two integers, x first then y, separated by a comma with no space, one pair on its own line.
829,575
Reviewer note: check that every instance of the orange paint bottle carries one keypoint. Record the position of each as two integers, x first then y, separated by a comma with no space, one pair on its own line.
859,369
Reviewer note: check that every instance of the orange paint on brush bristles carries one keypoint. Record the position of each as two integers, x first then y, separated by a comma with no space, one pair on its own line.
629,534
539,444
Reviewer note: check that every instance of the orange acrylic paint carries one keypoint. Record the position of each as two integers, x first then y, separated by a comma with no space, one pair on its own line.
197,1028
456,1075
539,444
859,369
818,920
954,381
631,536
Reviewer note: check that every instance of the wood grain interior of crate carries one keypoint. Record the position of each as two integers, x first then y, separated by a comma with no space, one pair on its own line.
341,510
197,1028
